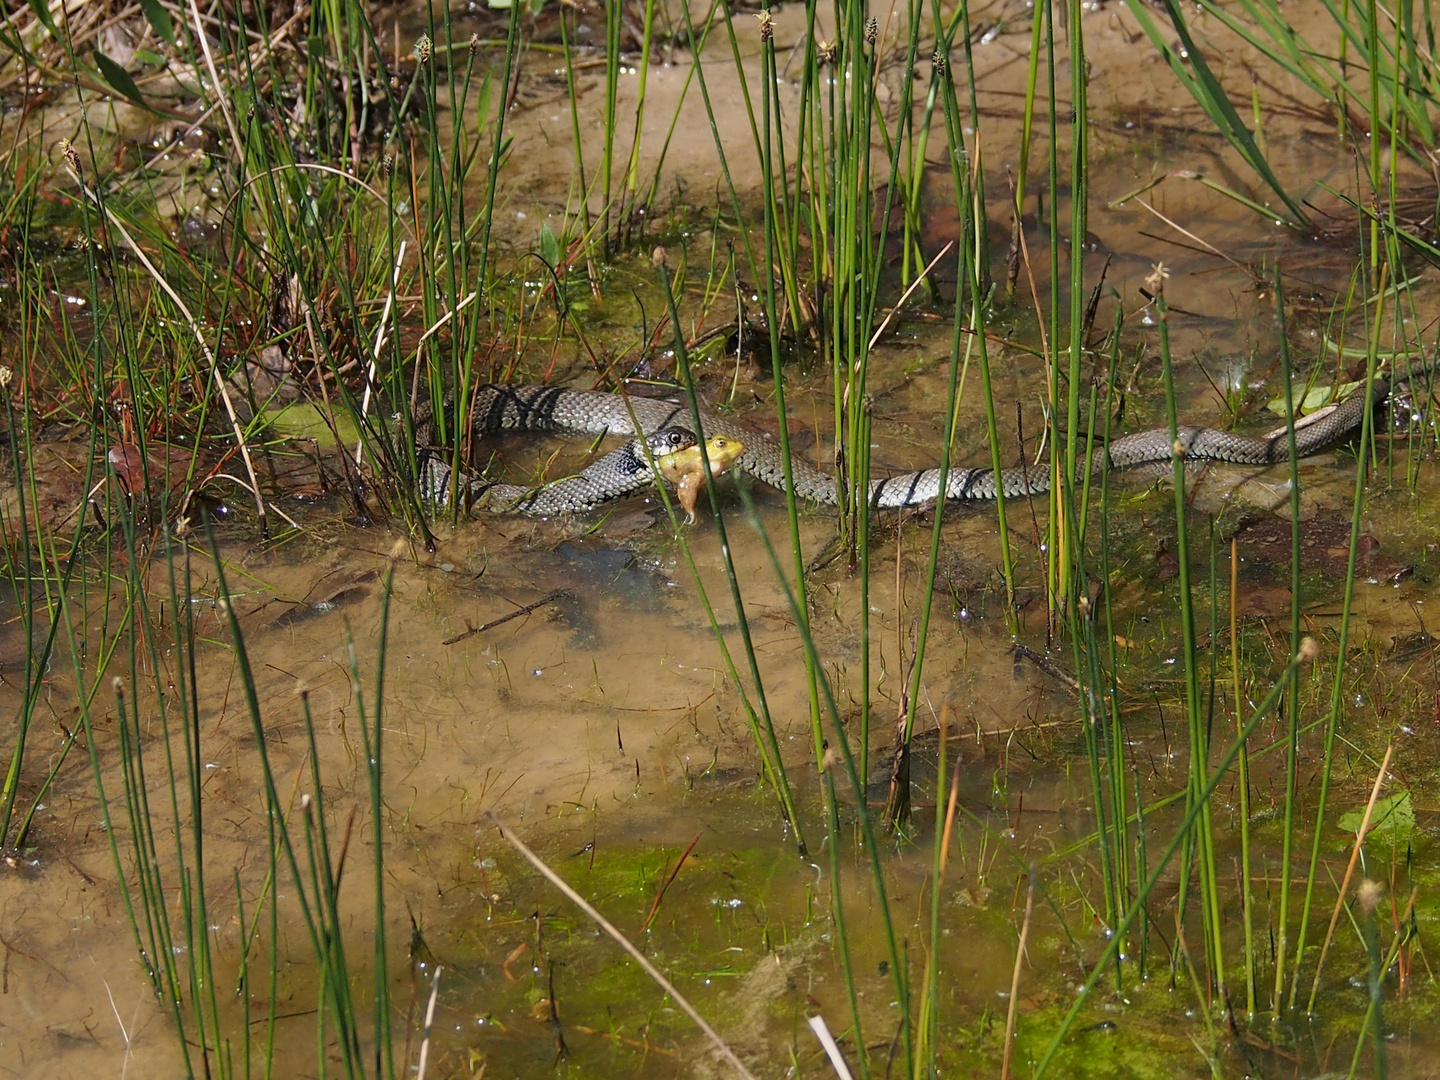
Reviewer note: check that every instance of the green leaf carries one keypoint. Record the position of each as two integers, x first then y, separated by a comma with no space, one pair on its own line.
119,79
159,19
304,421
1315,399
42,12
482,106
1394,817
549,246
145,56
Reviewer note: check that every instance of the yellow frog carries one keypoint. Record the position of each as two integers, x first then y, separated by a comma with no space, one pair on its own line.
686,471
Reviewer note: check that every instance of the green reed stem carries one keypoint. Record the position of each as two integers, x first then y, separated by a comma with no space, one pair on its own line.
1192,815
772,225
762,728
1199,735
1247,895
898,970
1363,455
512,45
1292,698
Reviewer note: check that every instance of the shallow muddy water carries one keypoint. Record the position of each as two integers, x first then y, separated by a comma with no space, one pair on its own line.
564,676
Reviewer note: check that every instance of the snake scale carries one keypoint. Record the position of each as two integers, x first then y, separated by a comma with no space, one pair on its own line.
500,408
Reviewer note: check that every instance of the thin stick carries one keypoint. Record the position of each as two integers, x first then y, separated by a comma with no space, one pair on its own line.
199,338
1350,870
621,940
217,84
906,294
1202,242
655,907
832,1051
526,610
950,814
420,345
1015,979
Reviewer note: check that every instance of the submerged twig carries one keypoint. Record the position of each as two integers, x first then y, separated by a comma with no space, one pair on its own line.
526,610
625,943
1048,666
655,907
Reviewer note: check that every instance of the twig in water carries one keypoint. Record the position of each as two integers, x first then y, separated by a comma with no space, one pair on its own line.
526,610
1045,664
624,942
655,907
906,295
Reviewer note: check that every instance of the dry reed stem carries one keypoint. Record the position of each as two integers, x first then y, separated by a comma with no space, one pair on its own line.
624,942
218,85
1011,1012
906,295
1350,869
210,357
379,346
429,1024
832,1050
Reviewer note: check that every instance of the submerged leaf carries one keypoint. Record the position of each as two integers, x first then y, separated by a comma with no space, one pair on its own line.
304,421
549,247
1315,399
1394,817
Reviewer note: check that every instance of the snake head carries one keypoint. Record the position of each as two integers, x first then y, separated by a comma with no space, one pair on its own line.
670,440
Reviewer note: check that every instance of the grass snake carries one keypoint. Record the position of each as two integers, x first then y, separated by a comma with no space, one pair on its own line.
500,408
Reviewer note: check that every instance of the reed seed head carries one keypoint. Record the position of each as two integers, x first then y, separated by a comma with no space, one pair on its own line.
70,154
6,374
1155,283
872,30
474,44
1309,649
424,49
939,64
825,53
658,257
1369,896
767,24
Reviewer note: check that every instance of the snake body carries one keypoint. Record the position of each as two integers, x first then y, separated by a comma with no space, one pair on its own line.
620,472
500,408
